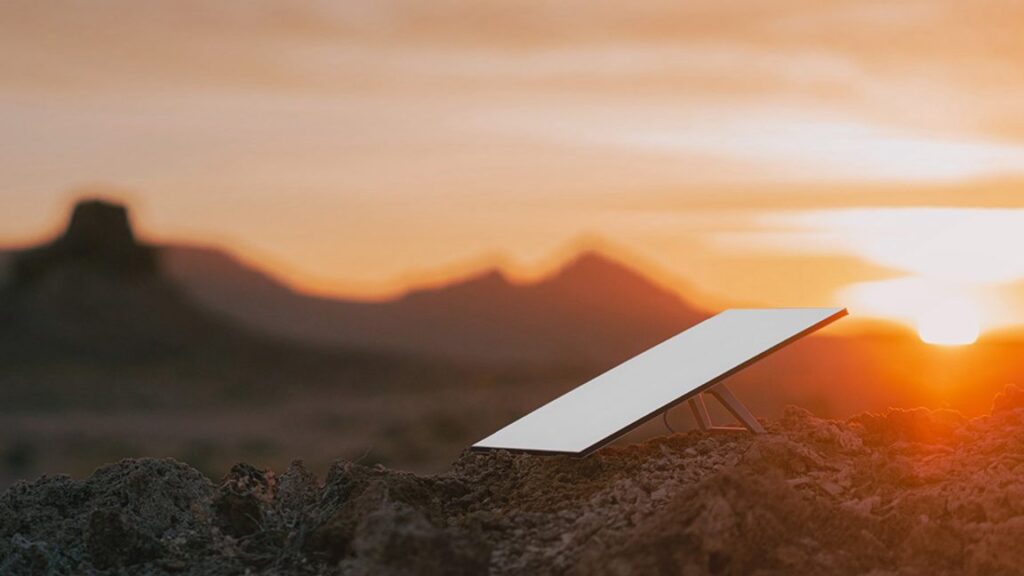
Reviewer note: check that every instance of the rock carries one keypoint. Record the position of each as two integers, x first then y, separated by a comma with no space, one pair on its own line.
23,556
918,425
398,539
1011,398
812,430
903,492
241,500
128,513
112,539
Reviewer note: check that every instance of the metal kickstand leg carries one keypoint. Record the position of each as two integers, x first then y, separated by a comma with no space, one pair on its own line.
726,398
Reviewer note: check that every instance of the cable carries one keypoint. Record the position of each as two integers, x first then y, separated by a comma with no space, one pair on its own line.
665,418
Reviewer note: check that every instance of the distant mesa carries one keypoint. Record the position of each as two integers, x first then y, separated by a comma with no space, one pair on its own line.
98,236
95,291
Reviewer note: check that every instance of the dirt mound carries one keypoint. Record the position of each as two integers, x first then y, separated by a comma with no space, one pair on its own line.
901,492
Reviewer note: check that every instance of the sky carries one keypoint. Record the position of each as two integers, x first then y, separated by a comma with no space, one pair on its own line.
792,152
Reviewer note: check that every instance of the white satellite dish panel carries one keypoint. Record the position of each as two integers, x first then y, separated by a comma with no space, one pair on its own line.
678,369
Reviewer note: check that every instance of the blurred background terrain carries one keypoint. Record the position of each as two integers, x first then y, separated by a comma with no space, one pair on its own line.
112,347
263,230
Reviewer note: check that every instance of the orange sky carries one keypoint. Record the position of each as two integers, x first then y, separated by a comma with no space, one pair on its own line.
774,153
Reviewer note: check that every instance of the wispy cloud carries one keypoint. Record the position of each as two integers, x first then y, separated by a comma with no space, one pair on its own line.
394,134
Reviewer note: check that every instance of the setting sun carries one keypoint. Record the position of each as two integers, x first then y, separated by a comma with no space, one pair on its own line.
953,323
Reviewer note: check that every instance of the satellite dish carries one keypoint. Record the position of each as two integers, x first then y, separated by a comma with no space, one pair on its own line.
679,369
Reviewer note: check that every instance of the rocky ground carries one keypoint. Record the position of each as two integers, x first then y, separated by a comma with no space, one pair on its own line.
901,492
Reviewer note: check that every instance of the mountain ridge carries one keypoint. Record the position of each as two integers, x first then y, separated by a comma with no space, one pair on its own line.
591,309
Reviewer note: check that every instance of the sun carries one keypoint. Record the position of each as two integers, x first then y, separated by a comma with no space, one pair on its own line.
950,323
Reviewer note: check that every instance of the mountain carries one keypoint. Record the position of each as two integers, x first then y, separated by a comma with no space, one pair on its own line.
593,310
104,355
95,291
112,347
96,301
6,256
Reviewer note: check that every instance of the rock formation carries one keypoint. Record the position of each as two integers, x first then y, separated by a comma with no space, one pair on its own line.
97,292
900,492
98,236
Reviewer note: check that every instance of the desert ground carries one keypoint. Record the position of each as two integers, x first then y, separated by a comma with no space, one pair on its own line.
130,393
898,492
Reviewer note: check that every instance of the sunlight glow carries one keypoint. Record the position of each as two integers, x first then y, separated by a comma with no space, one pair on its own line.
951,244
952,323
955,267
941,313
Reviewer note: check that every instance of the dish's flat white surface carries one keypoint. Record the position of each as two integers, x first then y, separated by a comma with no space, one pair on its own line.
596,412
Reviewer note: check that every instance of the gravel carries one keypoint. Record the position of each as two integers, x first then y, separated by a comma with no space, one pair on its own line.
900,492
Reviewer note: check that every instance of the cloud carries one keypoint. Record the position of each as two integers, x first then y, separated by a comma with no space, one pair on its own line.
503,113
970,246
